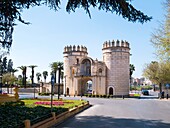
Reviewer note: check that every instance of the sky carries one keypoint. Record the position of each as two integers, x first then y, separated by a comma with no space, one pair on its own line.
43,41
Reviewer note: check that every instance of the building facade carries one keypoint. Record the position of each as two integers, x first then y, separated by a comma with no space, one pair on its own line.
108,77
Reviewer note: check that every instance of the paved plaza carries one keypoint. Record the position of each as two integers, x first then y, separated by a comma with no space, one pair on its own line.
122,113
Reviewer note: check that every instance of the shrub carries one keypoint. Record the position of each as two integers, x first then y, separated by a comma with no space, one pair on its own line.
93,95
90,95
17,103
104,96
111,96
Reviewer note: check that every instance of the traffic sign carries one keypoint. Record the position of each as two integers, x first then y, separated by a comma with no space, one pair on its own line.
52,80
167,85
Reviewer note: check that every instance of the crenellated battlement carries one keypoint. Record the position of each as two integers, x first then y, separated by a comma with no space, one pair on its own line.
117,43
75,48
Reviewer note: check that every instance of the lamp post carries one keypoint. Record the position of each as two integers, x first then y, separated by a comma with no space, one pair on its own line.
59,74
52,85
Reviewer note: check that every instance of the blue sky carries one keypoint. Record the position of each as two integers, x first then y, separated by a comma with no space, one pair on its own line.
42,42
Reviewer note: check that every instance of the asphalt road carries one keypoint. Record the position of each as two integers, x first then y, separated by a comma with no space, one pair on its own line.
122,113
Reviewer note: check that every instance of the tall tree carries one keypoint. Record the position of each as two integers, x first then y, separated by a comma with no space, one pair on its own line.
161,37
158,73
62,76
10,11
10,66
20,79
131,70
24,77
13,71
4,65
54,68
45,74
32,72
10,79
38,75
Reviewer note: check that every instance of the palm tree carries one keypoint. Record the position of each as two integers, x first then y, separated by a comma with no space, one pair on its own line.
19,79
132,69
14,70
62,76
32,76
54,67
24,69
45,74
38,76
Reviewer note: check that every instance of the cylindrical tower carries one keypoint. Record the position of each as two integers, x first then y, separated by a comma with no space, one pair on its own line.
72,56
116,57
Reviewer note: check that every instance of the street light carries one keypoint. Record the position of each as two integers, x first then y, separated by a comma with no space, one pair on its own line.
52,85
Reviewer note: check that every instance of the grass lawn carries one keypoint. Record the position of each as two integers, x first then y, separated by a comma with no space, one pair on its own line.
13,114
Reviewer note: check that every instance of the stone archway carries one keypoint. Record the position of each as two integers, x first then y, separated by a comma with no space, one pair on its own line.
85,85
89,85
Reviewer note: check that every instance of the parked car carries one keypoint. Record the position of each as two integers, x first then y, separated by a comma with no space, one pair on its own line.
145,92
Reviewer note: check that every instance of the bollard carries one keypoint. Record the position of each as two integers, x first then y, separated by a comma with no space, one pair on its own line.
54,116
167,96
27,124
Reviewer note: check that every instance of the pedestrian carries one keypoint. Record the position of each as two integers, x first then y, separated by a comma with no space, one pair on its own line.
162,96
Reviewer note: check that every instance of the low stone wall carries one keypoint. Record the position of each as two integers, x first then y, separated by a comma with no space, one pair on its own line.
56,119
7,98
28,90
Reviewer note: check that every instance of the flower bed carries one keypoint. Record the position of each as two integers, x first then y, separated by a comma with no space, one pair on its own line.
57,103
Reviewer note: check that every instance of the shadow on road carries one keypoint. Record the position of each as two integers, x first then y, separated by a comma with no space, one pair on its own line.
109,122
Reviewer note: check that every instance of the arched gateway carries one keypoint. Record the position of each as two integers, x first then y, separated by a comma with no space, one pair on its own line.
113,70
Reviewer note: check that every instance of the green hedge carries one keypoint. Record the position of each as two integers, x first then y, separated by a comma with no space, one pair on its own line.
99,96
13,114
